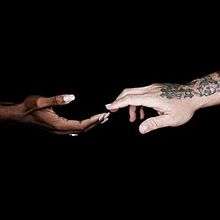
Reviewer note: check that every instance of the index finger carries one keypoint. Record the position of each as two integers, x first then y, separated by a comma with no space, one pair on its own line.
71,126
135,100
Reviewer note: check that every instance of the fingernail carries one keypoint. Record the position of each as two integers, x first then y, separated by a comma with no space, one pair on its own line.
142,129
101,117
106,115
73,135
108,106
68,98
105,120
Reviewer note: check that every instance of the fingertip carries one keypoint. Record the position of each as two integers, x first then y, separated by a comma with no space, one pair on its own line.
111,107
106,115
132,119
142,129
108,106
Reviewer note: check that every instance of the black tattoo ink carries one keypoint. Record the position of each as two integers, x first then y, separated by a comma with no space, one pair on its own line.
206,86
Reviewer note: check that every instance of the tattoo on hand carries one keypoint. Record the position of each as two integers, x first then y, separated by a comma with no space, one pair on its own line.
206,86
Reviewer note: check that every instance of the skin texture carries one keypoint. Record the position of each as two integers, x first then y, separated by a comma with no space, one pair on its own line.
174,103
39,110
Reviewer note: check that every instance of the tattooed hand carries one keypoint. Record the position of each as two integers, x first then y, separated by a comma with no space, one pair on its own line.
174,103
38,110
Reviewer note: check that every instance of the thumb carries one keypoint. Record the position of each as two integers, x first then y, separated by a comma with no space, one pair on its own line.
154,123
37,102
43,102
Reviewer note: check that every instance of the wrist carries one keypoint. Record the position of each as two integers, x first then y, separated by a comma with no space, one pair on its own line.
207,101
12,112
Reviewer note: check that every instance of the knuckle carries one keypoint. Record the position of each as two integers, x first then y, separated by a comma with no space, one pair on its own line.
81,127
32,102
148,87
130,97
152,124
155,84
127,98
125,91
56,126
37,103
175,120
57,99
152,86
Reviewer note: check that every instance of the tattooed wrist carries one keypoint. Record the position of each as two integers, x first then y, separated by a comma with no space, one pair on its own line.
206,86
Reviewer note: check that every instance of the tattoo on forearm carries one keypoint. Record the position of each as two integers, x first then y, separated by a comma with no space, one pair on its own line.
206,86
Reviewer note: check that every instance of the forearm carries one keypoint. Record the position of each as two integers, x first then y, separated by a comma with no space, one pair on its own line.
10,112
201,93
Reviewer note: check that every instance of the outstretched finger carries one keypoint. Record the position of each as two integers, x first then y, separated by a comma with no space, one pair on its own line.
136,100
132,113
33,103
43,102
74,126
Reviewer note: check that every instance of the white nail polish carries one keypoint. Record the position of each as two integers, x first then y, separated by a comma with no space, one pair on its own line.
108,106
106,115
101,117
142,129
73,135
68,98
105,120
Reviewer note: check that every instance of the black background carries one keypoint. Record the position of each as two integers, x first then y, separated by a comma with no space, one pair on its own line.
95,56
